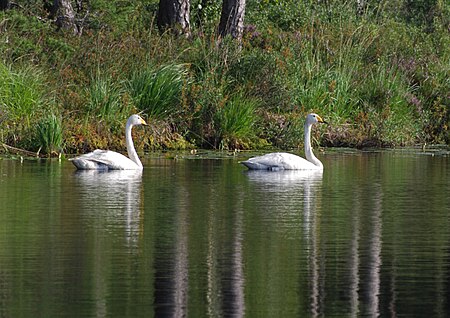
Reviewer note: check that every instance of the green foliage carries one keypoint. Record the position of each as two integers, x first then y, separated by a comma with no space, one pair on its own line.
380,76
211,86
205,13
50,134
104,99
235,122
259,74
21,92
381,88
59,45
383,94
286,15
282,130
21,35
158,91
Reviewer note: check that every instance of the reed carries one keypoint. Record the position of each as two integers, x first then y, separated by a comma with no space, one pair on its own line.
384,96
50,134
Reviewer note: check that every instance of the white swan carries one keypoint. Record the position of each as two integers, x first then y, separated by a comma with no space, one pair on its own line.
287,161
111,160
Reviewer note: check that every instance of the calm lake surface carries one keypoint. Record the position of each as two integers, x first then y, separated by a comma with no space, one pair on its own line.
206,238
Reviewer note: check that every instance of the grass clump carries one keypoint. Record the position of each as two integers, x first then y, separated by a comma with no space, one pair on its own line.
22,102
50,135
21,93
157,91
383,96
235,122
104,101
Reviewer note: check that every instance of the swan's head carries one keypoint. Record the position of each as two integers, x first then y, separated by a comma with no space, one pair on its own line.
136,120
314,119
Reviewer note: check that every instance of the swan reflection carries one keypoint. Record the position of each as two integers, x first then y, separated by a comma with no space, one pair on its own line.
291,192
278,181
115,195
295,196
110,201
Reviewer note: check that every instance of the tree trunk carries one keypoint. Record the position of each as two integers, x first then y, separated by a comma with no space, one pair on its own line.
4,4
174,14
65,15
232,19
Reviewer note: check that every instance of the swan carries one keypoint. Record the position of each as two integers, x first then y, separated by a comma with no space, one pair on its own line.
111,160
287,161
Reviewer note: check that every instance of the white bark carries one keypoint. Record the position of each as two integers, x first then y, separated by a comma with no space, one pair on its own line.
232,19
65,16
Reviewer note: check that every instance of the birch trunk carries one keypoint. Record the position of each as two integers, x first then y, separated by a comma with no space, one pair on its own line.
232,19
174,14
65,16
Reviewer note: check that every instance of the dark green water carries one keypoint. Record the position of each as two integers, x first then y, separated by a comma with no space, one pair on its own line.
206,238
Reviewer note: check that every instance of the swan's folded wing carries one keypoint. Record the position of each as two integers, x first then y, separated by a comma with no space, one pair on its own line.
278,161
104,159
290,161
266,162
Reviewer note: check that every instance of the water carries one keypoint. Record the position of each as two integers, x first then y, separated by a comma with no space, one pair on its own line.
206,238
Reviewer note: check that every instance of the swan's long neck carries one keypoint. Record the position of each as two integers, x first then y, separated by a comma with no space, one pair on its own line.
308,150
132,154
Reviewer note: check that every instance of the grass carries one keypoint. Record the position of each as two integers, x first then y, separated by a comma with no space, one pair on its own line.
157,91
381,78
21,93
384,95
104,100
22,102
235,122
50,135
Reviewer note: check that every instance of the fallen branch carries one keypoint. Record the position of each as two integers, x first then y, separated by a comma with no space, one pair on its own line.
19,151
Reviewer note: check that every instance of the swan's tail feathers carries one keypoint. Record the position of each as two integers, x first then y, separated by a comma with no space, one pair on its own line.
249,164
246,163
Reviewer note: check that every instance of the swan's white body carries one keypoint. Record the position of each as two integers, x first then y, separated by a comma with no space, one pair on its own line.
287,161
111,160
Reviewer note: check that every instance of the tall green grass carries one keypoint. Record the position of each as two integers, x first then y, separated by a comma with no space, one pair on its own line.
234,122
383,94
22,102
50,134
21,93
104,99
157,91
